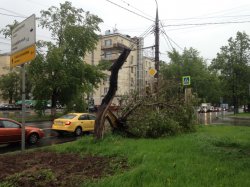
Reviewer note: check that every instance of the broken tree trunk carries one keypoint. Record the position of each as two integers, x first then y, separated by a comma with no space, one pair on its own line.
107,100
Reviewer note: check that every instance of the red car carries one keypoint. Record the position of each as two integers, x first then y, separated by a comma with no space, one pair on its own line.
10,132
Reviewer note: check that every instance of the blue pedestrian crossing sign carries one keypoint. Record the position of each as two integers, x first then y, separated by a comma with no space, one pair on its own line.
186,80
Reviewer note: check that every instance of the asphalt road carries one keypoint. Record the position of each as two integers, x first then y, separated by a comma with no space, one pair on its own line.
50,138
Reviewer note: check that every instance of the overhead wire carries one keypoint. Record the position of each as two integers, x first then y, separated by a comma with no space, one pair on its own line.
13,12
208,23
183,27
10,15
168,38
130,10
209,17
143,35
128,4
169,44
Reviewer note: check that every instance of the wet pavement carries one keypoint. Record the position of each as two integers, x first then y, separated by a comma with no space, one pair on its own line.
224,118
51,138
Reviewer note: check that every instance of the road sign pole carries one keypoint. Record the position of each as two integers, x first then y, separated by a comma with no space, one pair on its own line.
23,107
23,49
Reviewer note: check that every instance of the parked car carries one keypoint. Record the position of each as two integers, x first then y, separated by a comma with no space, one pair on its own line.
76,123
28,103
216,109
9,107
11,131
203,110
3,106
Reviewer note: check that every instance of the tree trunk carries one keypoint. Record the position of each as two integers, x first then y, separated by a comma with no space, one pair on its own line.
53,104
107,100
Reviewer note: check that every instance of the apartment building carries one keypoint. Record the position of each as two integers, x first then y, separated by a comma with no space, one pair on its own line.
4,67
4,64
133,74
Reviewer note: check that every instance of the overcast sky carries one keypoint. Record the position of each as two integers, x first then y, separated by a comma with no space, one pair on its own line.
192,23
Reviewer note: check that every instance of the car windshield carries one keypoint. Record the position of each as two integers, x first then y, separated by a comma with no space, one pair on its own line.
68,116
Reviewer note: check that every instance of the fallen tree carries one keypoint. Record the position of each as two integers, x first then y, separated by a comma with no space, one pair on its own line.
107,100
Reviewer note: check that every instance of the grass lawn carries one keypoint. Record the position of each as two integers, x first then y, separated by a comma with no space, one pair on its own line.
212,156
246,115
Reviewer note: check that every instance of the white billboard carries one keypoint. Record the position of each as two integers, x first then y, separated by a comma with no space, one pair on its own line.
23,35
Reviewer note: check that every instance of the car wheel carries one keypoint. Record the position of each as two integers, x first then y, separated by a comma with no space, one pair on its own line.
78,131
33,138
60,133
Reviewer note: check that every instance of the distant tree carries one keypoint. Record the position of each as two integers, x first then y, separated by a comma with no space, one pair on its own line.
232,65
8,29
58,72
10,86
28,86
203,82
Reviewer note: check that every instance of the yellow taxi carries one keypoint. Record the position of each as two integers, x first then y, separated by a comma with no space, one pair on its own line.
74,122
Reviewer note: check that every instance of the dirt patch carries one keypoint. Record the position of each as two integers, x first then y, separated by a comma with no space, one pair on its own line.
55,169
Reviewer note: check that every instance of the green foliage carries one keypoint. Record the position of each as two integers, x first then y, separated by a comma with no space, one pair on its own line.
59,73
212,156
40,107
37,178
8,30
104,64
232,66
10,86
163,114
153,125
78,104
203,82
158,122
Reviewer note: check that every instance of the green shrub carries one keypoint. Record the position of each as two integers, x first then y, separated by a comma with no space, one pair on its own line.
161,122
40,107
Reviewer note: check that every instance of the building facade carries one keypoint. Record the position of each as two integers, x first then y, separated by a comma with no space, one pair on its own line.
132,76
4,64
4,68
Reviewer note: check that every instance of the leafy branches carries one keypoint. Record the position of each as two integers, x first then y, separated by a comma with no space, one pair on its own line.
232,66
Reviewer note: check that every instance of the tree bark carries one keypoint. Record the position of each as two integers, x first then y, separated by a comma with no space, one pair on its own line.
107,100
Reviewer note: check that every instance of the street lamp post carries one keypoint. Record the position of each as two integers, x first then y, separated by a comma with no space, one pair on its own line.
157,46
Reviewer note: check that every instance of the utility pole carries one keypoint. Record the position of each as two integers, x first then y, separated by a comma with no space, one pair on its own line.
157,47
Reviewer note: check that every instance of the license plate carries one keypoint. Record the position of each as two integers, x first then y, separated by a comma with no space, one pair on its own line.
59,123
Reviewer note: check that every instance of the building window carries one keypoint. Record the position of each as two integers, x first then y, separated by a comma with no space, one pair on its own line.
106,90
132,69
108,42
131,82
131,59
108,54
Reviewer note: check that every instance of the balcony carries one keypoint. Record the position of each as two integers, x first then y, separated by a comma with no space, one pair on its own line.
112,57
114,46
